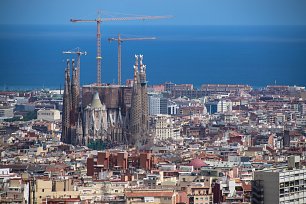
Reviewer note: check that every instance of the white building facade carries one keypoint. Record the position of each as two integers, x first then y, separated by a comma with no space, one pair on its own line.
280,185
154,105
164,128
48,114
6,112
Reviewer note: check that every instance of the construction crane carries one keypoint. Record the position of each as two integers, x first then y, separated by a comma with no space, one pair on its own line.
98,21
120,40
78,53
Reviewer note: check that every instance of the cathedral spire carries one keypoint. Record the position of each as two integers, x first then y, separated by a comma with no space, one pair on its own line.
139,107
66,136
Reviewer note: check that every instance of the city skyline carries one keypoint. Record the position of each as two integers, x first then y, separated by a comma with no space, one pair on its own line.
212,111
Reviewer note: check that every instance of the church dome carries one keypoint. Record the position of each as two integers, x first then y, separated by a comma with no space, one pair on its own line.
197,163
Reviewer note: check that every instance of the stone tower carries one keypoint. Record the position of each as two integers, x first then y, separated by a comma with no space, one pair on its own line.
66,133
71,117
144,100
138,126
75,100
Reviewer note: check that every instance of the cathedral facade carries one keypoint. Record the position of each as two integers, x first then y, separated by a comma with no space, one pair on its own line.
106,115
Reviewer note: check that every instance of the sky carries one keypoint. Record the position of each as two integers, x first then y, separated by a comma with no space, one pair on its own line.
185,12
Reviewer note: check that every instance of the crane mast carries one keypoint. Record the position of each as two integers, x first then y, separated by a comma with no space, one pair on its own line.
120,40
99,50
98,21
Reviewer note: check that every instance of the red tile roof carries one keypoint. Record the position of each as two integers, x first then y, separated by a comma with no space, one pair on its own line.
246,187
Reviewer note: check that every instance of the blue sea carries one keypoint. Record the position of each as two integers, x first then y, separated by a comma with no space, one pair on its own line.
31,56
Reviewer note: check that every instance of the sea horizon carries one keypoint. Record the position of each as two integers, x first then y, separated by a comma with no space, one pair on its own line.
32,56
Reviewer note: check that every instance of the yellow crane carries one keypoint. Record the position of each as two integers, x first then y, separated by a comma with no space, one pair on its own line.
98,21
120,40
